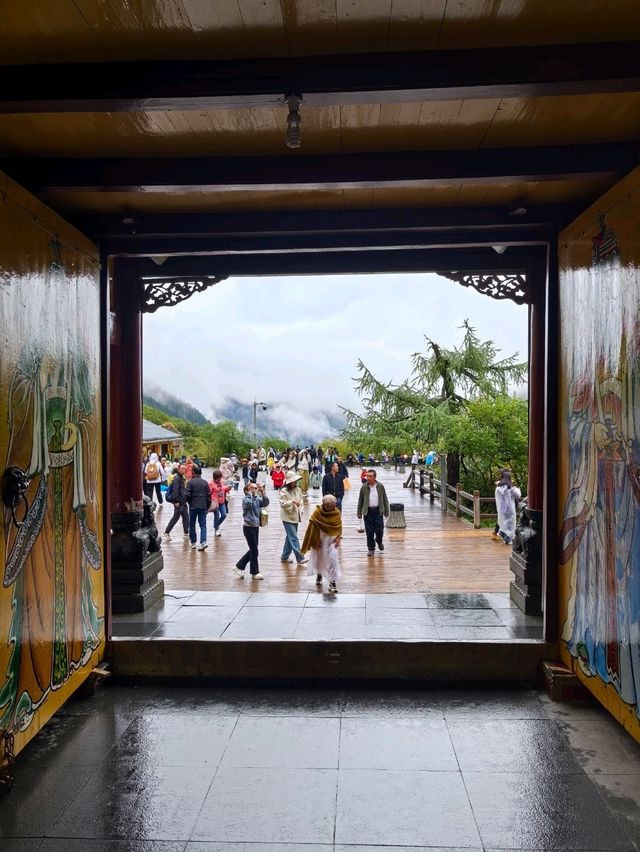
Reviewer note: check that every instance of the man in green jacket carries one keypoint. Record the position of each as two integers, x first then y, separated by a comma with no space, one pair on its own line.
373,506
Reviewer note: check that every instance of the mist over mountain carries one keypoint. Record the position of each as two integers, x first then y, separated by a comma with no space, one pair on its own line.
157,397
281,421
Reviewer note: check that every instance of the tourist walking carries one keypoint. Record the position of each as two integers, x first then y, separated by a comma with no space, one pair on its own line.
304,465
291,515
219,491
253,502
153,477
373,506
198,497
322,540
333,483
177,496
278,476
508,497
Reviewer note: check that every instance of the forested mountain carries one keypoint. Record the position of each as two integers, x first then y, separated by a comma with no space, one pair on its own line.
174,406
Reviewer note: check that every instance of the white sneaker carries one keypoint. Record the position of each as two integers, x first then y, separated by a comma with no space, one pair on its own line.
166,537
203,546
303,561
217,533
257,576
193,545
237,571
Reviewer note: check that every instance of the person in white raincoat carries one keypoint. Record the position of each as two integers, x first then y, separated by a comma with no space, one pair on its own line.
507,498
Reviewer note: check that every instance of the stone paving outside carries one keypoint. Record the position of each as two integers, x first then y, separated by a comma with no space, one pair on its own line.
177,769
312,616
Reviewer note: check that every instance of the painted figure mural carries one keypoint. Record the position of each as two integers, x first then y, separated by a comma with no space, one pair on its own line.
53,559
600,531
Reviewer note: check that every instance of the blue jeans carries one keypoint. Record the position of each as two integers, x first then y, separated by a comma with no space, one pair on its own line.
291,542
201,516
219,515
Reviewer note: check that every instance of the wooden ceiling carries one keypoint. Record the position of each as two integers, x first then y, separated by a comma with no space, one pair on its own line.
160,106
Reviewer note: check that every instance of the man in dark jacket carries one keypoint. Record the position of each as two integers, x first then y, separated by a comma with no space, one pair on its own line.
199,499
177,494
333,483
373,506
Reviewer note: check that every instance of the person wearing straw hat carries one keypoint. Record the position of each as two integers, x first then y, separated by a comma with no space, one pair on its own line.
291,502
322,539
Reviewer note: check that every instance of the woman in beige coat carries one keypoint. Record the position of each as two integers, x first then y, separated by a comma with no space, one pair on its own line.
290,515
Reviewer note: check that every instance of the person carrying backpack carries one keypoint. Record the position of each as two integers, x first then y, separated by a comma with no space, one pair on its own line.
153,476
177,495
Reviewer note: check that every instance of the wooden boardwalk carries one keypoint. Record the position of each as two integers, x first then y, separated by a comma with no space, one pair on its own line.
435,553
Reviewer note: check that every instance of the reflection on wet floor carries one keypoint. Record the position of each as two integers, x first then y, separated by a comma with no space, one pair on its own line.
288,615
176,768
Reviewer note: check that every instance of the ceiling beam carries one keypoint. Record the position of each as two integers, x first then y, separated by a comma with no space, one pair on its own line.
224,245
443,75
517,259
332,172
417,220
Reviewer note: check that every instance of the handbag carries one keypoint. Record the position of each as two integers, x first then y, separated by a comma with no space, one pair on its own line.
264,517
346,484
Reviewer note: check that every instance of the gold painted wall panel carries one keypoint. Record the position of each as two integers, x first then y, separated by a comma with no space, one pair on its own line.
52,589
599,449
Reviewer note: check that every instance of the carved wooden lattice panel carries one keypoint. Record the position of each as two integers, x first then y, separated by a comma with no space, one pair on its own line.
498,286
160,293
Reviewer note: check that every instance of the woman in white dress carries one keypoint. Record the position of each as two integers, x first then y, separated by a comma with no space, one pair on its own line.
322,540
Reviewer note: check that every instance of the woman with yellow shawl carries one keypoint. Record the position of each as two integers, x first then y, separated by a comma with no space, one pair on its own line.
322,540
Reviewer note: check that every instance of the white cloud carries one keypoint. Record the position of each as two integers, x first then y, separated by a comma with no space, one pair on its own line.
294,341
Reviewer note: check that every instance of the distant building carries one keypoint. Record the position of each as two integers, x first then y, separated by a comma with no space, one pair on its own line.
157,439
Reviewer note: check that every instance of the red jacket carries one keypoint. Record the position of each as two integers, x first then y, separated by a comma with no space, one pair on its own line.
278,477
219,491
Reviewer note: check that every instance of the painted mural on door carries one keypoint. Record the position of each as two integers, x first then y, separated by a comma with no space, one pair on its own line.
600,448
51,599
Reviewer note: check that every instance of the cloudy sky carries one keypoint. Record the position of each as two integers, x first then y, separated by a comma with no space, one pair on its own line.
294,342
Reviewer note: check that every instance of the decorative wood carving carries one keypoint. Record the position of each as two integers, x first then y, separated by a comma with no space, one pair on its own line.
160,293
498,286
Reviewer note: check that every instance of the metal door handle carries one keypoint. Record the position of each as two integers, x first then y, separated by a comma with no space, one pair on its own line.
14,486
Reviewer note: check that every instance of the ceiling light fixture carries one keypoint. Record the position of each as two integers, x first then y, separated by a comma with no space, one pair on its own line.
294,121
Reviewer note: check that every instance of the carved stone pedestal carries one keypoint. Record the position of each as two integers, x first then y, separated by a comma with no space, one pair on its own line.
526,563
136,560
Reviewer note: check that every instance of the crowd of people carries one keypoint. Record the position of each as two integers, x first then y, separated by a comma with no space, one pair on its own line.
293,472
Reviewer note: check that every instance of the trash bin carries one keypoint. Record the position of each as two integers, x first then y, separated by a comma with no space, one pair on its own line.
396,519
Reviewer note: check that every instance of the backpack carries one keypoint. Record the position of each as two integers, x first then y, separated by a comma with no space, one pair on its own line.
152,472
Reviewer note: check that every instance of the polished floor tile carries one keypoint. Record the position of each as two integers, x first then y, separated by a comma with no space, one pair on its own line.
542,811
40,796
406,808
468,633
78,740
396,601
277,599
147,801
218,599
420,744
493,703
466,617
603,747
457,601
391,703
339,601
85,845
157,741
511,745
301,743
273,805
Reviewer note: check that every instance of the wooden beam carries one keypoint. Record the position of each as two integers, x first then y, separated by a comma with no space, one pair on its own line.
516,259
224,245
416,220
312,172
443,75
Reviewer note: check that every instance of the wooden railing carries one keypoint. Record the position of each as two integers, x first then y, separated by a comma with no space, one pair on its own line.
456,499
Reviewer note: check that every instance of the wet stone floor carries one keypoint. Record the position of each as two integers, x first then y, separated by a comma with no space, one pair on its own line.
142,768
310,616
